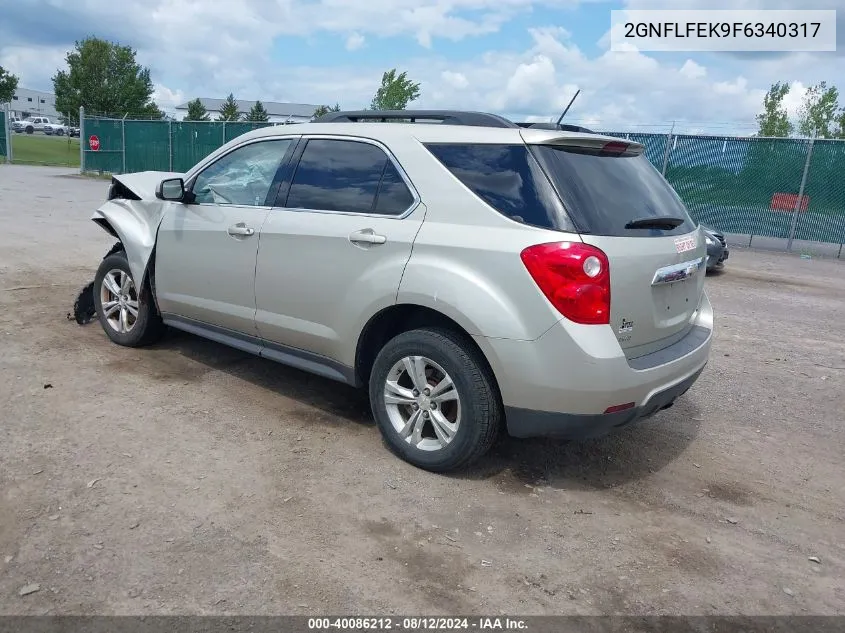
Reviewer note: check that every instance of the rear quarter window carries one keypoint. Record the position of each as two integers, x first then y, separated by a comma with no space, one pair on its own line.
508,178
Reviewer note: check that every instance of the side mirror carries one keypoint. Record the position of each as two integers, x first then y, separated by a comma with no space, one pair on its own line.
171,189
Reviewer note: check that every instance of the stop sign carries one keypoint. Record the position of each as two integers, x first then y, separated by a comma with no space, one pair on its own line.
94,143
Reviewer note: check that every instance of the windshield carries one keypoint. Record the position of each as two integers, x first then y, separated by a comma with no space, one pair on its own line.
603,193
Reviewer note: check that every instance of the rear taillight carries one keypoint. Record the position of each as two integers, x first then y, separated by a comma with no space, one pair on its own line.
575,278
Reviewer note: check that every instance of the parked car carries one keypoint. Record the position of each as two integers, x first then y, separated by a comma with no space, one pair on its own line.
717,249
31,125
56,129
472,276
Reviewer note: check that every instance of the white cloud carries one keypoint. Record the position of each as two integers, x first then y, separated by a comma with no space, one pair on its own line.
166,98
455,80
527,81
355,41
737,87
691,70
32,61
794,99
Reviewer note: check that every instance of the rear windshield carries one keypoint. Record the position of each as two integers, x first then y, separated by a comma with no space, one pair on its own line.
602,193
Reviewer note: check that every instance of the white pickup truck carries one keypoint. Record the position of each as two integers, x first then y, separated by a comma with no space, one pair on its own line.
32,124
55,128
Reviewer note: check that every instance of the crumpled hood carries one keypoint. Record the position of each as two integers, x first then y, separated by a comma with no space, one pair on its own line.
143,183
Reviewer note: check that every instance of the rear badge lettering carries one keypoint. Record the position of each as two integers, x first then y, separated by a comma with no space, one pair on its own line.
684,244
677,272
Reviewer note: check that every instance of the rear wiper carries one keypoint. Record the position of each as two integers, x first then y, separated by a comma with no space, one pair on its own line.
664,222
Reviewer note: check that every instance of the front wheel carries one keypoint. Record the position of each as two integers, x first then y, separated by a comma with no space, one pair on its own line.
434,399
127,314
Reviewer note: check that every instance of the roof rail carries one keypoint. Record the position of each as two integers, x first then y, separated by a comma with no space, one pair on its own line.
445,117
557,126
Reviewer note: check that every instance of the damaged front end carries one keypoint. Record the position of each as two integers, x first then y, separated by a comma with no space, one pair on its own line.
132,214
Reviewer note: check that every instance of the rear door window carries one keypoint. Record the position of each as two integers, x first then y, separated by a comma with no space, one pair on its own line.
508,178
602,193
348,176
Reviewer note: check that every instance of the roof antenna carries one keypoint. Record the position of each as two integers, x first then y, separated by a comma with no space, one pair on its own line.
569,106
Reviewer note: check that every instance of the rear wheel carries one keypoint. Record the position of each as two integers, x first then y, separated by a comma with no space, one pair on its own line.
127,314
434,399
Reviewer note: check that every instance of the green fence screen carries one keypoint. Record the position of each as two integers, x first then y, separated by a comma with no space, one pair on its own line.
748,186
4,135
126,146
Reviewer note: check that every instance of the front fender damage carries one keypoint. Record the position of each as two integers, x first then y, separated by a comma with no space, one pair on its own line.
134,218
135,223
132,214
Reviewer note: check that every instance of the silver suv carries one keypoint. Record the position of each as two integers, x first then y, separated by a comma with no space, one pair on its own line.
472,274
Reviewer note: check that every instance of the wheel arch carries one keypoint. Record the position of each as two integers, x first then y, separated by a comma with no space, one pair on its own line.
402,317
148,274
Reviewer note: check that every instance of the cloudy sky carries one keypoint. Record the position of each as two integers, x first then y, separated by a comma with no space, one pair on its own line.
521,58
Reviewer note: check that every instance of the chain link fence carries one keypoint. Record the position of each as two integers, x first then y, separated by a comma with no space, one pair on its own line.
769,187
119,146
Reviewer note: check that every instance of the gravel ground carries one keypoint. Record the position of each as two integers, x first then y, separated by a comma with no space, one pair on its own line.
189,478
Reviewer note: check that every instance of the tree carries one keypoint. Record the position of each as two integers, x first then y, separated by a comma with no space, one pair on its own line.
257,113
197,111
818,114
8,85
773,120
324,109
840,122
105,78
230,111
395,92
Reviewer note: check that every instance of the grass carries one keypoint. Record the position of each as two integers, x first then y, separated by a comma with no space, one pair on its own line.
38,149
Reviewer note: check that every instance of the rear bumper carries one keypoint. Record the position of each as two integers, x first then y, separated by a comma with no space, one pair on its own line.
530,423
561,384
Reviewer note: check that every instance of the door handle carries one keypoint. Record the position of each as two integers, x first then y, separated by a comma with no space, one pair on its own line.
240,229
367,236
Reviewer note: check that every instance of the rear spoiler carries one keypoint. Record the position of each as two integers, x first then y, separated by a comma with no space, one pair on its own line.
563,127
604,145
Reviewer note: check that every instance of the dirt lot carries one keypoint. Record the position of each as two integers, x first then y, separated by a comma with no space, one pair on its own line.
190,478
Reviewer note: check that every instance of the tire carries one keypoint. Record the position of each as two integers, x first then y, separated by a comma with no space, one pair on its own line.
143,329
474,417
